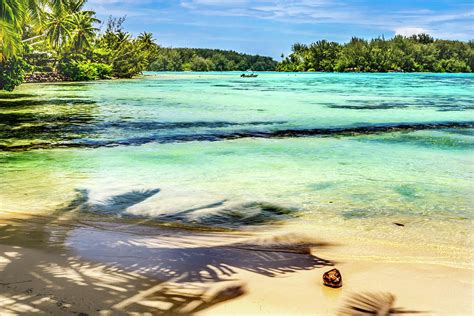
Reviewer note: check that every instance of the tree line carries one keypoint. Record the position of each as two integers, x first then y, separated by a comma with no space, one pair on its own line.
417,53
202,59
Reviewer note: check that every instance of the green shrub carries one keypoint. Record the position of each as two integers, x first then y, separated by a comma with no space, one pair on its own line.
68,69
200,64
103,70
451,65
11,73
85,71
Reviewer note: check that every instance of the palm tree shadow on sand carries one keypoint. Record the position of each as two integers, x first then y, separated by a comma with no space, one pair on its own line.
172,253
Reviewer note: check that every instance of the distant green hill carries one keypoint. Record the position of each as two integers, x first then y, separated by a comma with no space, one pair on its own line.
202,59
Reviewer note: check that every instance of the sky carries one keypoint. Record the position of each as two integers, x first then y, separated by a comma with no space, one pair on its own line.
270,27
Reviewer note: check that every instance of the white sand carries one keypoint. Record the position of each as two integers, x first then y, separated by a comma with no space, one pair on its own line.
111,269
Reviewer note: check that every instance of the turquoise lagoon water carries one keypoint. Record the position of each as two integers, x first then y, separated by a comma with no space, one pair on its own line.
357,151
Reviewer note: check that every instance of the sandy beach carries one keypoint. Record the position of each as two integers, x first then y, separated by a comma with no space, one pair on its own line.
66,266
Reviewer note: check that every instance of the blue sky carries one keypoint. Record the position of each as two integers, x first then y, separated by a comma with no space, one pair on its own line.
270,27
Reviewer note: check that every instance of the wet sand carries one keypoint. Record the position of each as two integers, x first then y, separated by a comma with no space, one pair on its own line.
66,266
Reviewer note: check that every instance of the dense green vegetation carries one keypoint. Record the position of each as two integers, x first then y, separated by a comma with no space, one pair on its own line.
418,53
199,59
60,37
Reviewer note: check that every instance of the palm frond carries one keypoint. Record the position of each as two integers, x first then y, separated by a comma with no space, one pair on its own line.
10,41
13,12
35,12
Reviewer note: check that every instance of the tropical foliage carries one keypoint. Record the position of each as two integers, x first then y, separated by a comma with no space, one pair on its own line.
42,35
418,53
61,37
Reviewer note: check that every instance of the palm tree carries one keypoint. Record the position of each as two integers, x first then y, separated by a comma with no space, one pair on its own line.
58,26
146,39
83,32
74,6
122,37
68,24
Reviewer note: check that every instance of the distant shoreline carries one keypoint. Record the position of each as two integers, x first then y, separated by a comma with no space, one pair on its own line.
33,78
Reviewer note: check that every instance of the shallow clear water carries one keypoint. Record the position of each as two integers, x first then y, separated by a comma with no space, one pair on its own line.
356,151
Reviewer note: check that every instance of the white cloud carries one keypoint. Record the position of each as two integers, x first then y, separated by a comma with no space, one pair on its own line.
293,11
408,30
